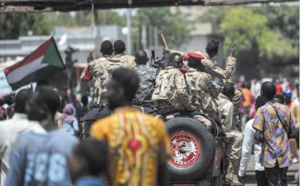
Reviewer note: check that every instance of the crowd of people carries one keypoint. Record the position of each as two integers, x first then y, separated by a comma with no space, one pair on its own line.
126,141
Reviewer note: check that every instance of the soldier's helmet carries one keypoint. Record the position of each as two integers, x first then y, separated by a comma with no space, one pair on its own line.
176,58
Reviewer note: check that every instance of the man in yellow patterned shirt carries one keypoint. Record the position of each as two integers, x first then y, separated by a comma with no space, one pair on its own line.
138,143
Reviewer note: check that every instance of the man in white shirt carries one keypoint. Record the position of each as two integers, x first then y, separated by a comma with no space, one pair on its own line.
9,129
246,150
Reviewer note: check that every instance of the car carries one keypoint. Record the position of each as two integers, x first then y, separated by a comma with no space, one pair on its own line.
198,154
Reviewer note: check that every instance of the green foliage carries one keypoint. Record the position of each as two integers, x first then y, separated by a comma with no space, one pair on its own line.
15,25
84,18
60,19
252,30
172,25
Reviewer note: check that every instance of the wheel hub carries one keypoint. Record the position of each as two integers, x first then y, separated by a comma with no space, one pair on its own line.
185,149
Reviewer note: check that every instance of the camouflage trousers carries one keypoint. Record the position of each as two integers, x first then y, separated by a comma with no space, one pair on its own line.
234,141
164,107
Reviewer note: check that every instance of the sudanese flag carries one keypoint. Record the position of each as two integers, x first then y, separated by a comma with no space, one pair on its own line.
40,64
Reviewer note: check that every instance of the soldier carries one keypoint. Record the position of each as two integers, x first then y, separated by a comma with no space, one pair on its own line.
201,90
234,138
170,90
147,80
99,71
119,48
211,67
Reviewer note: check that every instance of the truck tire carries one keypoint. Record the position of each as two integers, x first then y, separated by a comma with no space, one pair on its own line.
192,147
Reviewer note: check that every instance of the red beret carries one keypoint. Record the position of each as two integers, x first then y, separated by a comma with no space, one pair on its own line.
195,55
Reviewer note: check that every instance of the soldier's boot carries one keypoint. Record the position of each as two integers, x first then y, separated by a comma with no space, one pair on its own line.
235,171
229,174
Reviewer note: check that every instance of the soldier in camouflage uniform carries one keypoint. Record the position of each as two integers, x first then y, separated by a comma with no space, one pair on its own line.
211,67
170,92
99,71
201,90
147,77
119,48
234,138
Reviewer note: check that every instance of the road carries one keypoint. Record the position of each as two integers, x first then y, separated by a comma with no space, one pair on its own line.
251,181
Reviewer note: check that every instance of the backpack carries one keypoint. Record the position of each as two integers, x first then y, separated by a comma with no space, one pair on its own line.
165,85
112,64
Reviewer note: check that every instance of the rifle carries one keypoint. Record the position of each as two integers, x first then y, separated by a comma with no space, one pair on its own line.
158,62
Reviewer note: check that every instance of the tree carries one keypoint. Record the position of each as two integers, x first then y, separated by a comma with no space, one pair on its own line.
266,36
172,25
257,43
60,19
15,25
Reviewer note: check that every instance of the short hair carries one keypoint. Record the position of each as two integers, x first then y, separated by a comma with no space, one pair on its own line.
268,89
20,100
259,102
228,89
119,46
106,48
141,57
94,152
246,85
212,46
128,80
44,100
194,62
279,98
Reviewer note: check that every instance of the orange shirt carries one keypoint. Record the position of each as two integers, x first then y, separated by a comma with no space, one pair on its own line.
138,144
247,95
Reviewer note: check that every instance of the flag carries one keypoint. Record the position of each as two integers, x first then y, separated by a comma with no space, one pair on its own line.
40,64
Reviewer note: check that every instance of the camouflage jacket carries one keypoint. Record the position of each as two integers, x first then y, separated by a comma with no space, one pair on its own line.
127,59
170,92
99,71
147,77
202,92
226,112
211,66
213,69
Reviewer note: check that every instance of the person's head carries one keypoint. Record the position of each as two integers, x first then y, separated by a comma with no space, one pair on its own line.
141,57
288,97
279,98
43,104
89,158
122,87
20,100
194,60
228,90
268,90
259,102
212,48
176,60
246,85
106,48
119,47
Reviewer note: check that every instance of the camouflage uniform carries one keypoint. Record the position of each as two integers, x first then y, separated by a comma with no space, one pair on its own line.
202,92
99,71
170,91
147,84
233,139
127,59
210,66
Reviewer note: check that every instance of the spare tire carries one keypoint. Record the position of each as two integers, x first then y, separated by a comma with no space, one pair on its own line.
192,146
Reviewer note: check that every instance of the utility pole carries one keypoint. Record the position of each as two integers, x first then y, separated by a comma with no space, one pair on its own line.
129,31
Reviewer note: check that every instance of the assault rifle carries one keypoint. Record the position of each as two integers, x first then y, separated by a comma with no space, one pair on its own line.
158,62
